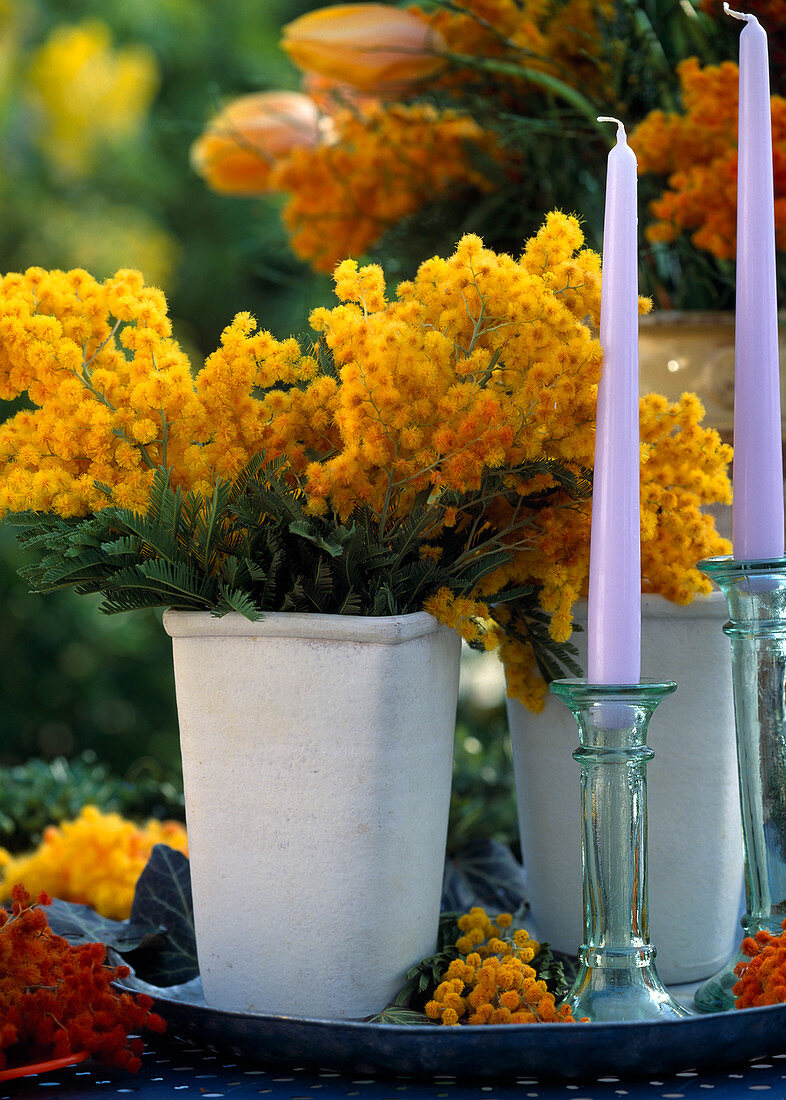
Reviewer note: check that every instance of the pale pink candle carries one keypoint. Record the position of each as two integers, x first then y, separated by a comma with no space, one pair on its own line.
758,460
614,627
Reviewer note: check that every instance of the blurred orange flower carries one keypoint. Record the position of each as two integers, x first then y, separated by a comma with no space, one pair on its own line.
696,151
386,162
239,147
372,47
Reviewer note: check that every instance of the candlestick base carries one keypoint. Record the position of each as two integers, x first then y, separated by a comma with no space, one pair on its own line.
715,995
621,986
755,592
617,978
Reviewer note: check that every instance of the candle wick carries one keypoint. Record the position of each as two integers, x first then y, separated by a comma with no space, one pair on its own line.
620,128
744,16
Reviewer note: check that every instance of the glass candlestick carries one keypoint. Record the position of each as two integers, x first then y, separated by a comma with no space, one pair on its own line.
756,595
617,978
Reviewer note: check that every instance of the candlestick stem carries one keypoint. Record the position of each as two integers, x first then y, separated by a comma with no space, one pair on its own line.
756,595
617,979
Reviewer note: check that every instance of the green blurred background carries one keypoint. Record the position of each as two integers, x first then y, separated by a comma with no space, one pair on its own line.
100,101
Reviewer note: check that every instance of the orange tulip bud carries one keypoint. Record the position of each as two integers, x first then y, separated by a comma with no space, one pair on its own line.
330,95
373,47
236,153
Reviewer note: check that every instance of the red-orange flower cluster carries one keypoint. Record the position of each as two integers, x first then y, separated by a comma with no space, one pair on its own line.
57,1000
762,980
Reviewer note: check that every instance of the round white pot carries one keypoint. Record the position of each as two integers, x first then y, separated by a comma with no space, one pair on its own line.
317,757
695,838
694,351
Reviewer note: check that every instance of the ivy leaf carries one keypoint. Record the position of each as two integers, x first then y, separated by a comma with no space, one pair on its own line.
81,924
163,897
484,873
423,979
556,970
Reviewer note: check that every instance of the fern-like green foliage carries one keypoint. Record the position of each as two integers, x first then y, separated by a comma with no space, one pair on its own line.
529,623
253,547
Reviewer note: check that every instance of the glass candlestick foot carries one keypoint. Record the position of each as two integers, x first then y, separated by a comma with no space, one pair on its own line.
715,995
625,988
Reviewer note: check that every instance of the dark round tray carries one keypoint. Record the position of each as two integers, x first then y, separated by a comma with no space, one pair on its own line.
565,1052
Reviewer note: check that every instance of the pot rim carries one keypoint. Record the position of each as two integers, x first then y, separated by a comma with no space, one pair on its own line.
378,629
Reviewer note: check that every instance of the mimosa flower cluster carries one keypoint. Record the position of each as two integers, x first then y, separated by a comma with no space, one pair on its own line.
697,152
492,981
762,978
520,84
559,39
381,165
471,391
57,1000
114,392
94,860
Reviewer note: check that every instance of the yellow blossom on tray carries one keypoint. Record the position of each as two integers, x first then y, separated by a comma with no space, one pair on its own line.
761,975
94,860
492,981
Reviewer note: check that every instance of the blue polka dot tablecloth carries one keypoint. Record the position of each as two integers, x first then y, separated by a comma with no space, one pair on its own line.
175,1068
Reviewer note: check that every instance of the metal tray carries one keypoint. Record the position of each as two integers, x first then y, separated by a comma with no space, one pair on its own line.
564,1052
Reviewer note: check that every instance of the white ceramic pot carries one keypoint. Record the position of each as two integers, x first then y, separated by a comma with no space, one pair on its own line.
694,351
695,839
317,757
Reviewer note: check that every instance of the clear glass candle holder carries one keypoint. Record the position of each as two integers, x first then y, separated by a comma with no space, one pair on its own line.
617,978
755,592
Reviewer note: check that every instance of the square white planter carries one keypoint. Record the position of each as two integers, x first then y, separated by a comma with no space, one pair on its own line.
317,761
